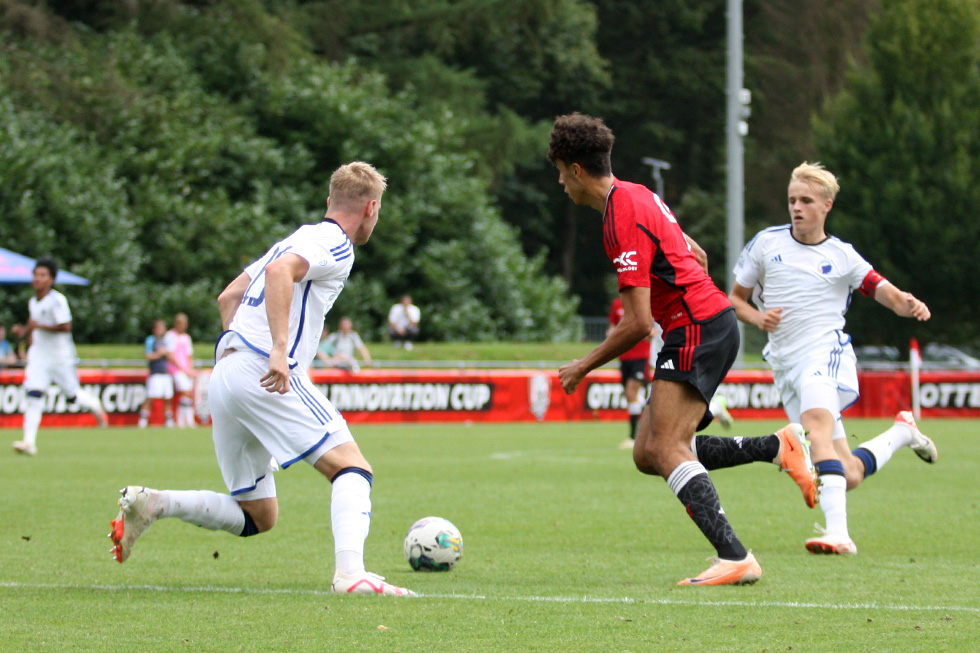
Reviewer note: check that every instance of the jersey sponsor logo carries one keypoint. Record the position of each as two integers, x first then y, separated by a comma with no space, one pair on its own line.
624,262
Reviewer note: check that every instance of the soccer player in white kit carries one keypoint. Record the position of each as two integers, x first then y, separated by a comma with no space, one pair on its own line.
801,280
51,357
264,409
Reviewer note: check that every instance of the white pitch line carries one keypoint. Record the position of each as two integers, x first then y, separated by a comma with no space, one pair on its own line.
530,599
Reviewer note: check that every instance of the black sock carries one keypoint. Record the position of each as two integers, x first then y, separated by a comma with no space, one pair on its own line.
716,452
633,420
700,498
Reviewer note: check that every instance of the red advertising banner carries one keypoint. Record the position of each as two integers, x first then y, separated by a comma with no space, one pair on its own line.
495,396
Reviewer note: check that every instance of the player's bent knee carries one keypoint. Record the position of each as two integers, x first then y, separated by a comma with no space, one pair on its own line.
364,473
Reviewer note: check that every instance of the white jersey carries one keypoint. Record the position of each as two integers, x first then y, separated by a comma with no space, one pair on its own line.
811,283
51,310
331,256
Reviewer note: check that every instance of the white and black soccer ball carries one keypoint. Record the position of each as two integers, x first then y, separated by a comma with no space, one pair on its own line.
433,544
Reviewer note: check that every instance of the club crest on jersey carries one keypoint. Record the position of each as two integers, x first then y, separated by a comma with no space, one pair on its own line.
624,262
826,267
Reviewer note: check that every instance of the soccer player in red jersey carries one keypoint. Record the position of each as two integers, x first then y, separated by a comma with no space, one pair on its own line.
659,279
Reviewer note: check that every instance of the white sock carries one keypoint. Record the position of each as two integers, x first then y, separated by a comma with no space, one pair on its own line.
185,414
88,401
350,518
886,444
207,509
635,408
32,418
833,502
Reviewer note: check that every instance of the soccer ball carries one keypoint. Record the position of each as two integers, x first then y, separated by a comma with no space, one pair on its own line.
433,544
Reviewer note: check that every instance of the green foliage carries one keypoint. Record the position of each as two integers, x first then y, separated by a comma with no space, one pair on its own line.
904,138
214,131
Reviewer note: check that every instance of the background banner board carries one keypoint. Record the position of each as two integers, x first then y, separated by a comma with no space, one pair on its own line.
496,396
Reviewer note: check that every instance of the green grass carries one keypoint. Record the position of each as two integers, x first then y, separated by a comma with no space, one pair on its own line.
434,351
528,352
567,548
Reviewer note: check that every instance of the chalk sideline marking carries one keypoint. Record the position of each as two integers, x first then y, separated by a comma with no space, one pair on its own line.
530,599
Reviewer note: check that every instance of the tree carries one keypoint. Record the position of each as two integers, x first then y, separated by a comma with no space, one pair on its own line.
903,136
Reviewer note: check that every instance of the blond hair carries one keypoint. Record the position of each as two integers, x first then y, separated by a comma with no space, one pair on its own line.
356,181
814,174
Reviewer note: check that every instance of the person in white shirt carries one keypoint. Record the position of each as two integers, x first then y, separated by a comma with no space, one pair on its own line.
403,322
345,342
800,280
266,412
51,357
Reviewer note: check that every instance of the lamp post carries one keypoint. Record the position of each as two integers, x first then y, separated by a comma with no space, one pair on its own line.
658,179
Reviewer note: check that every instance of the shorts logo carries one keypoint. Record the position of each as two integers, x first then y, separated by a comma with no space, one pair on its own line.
624,262
667,365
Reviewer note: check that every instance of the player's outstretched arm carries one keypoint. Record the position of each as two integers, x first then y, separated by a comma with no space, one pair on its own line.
904,304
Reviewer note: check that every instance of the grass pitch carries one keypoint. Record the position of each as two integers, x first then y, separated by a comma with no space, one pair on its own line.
567,548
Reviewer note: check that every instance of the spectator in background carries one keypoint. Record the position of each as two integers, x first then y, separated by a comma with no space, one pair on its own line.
51,357
634,366
325,351
180,365
345,342
159,384
8,357
403,322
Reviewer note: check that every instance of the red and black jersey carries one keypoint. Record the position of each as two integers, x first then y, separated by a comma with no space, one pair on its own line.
642,349
648,249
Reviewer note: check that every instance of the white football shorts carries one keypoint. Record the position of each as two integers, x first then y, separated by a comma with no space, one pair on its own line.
41,373
183,382
160,386
251,426
825,378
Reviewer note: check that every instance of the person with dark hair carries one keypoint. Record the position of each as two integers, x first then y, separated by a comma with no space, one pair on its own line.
51,357
403,322
661,279
159,382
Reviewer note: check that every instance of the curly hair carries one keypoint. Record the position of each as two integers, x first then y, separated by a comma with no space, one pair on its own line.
585,140
49,263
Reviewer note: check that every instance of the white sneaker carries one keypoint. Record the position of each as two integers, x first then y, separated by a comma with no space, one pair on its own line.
132,521
831,544
719,408
627,444
408,345
366,584
922,444
23,447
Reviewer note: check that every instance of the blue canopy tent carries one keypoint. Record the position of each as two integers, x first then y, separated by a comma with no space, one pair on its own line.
15,268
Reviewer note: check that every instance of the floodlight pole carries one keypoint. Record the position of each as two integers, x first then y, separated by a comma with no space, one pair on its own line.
658,179
735,129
